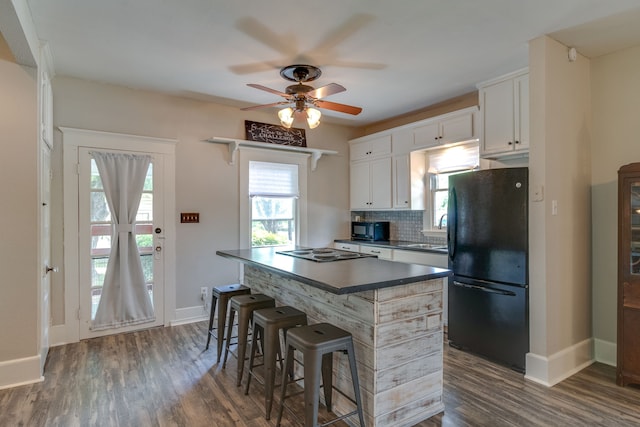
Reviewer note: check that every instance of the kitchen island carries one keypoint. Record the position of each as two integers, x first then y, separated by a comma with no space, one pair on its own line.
394,312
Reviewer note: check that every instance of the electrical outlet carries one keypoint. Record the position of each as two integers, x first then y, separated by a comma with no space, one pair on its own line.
204,291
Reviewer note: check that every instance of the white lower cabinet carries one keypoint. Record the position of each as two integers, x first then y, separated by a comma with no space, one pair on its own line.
381,253
427,258
347,246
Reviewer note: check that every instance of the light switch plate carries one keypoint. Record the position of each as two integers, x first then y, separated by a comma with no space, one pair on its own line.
189,217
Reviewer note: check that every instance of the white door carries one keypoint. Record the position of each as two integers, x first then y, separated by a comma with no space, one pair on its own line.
45,252
95,228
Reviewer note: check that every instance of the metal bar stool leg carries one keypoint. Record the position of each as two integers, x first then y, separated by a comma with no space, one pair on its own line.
212,314
318,343
268,323
244,306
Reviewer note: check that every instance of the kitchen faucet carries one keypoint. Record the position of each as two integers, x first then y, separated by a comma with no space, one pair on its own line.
440,222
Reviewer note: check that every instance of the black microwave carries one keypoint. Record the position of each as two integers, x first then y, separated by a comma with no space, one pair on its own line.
370,230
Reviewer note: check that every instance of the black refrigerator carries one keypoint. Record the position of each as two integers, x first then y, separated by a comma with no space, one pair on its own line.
487,236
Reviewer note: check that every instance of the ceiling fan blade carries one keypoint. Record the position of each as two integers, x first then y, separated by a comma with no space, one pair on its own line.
267,89
273,104
349,109
324,91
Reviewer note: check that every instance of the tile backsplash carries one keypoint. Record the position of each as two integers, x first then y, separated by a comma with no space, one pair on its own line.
404,225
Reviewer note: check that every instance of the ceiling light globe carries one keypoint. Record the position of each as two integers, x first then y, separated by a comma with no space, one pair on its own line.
313,118
286,117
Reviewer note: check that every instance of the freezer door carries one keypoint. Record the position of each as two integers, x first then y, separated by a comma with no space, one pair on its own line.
487,228
489,319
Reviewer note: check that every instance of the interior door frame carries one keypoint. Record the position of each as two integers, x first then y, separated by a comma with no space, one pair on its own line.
72,140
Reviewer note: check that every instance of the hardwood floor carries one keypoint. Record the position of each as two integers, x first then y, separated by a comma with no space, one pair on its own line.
162,377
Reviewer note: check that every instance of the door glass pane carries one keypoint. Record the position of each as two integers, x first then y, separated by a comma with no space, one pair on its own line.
635,228
101,229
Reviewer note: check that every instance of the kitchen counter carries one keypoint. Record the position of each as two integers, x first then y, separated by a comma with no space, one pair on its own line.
398,244
392,310
342,277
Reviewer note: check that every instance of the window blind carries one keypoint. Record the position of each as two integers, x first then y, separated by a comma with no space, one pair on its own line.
454,159
268,179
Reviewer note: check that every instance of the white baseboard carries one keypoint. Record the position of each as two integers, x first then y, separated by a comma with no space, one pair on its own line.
19,372
551,370
59,335
606,352
189,315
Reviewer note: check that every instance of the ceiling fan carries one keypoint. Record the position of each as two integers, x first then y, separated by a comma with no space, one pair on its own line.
302,98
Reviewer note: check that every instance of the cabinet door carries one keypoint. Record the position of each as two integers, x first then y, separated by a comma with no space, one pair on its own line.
409,185
381,253
347,246
497,110
628,345
380,178
522,113
401,182
359,150
457,129
427,135
402,141
379,146
360,195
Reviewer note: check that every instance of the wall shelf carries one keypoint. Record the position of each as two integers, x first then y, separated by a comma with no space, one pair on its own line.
235,144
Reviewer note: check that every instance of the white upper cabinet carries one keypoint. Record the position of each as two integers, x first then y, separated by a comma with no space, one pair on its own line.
446,129
371,148
504,115
370,184
409,185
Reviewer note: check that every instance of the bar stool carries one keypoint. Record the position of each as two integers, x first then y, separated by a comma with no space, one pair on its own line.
268,323
317,344
244,305
222,294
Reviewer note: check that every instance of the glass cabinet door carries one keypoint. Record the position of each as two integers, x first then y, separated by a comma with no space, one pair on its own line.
634,206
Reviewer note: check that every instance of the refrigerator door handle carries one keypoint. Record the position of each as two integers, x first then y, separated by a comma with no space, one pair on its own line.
483,289
452,223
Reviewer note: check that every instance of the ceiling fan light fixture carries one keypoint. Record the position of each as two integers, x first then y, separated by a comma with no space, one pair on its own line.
286,117
313,118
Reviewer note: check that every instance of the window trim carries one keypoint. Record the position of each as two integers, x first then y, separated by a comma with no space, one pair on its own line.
429,214
253,154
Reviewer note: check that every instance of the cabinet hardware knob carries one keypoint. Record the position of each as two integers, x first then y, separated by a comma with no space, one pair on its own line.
517,142
509,143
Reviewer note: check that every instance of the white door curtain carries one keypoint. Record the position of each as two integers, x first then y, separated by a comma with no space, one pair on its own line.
124,300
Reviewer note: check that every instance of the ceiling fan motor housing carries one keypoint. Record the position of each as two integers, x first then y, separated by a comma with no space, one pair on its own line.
300,73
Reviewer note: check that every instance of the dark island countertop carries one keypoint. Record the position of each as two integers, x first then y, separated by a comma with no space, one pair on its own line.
338,277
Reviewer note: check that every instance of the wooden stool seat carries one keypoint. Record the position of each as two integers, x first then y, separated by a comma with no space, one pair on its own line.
221,295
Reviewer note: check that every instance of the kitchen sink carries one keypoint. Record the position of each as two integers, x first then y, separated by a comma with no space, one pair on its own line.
423,246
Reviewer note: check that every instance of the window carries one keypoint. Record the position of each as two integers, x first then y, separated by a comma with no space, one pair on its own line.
273,189
443,164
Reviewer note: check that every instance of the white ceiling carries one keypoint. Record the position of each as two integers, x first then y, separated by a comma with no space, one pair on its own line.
393,57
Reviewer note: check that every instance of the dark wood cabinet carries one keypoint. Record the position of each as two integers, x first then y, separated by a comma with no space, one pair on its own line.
628,370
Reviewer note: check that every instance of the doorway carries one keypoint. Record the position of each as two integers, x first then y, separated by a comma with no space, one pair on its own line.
89,227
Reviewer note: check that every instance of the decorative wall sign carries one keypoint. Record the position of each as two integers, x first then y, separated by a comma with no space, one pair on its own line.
265,132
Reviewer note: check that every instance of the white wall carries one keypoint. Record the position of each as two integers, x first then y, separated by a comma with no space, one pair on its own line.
205,182
615,86
19,265
560,257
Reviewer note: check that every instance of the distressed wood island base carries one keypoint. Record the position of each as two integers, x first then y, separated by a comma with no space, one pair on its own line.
396,327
